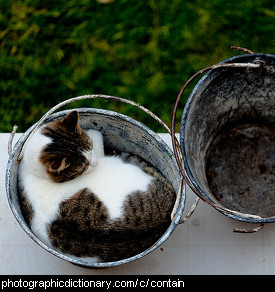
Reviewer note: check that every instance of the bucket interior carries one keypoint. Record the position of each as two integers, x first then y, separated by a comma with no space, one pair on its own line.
228,136
120,133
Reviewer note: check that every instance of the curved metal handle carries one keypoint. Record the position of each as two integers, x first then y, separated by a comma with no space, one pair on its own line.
192,209
240,230
98,96
11,139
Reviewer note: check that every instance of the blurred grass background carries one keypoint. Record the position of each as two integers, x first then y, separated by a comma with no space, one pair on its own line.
141,50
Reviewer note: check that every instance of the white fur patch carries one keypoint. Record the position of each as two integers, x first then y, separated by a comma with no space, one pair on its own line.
112,181
97,140
31,154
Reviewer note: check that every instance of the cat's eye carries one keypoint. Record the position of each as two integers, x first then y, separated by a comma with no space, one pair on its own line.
89,148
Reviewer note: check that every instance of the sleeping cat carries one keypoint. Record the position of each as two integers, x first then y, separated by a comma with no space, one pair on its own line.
87,204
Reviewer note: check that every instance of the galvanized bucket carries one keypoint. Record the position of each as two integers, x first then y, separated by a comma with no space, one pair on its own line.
227,138
120,132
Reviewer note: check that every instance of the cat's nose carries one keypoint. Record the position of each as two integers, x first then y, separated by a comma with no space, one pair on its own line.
94,160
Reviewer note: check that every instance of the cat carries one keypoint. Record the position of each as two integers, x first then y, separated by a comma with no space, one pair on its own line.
86,203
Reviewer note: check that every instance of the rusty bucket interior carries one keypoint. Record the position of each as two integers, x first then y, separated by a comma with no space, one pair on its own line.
227,138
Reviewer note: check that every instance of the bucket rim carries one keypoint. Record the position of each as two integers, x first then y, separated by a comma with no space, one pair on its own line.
191,180
84,263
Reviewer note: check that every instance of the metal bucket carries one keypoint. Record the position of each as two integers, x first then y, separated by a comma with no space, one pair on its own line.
122,133
227,138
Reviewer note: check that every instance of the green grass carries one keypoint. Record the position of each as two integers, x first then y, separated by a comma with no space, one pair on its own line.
140,50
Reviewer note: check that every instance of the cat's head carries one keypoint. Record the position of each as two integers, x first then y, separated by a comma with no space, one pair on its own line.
69,152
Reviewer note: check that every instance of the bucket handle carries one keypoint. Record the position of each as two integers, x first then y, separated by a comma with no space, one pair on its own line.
179,159
107,97
11,139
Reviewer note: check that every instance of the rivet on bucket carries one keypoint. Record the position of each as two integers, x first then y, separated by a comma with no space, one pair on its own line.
228,137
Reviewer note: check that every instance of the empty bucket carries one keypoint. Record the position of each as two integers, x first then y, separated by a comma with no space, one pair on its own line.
227,138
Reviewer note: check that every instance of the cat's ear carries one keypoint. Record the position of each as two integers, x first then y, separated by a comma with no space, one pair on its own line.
70,122
57,167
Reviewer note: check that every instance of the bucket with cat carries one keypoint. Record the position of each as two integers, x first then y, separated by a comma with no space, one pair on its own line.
94,187
228,138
